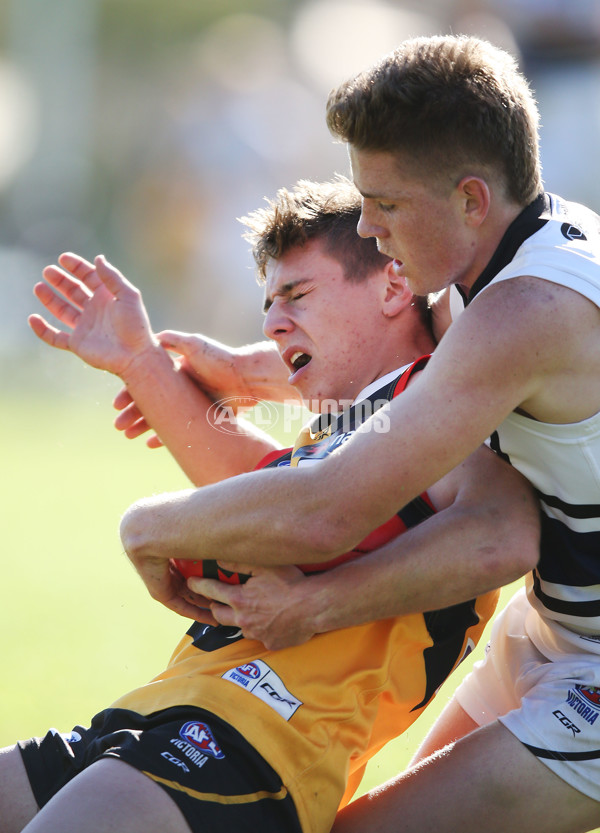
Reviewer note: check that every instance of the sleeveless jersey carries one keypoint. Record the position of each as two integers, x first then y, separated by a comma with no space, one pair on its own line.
317,712
559,242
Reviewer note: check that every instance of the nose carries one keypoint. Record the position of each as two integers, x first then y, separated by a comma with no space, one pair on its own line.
276,322
367,227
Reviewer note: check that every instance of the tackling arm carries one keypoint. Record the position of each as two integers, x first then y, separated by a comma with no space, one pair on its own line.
484,535
500,354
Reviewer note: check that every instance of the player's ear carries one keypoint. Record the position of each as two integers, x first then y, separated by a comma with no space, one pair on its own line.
475,198
396,294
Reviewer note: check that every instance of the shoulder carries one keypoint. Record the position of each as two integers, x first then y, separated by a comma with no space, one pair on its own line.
529,343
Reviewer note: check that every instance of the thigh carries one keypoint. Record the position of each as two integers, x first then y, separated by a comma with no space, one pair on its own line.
17,803
108,796
488,778
452,724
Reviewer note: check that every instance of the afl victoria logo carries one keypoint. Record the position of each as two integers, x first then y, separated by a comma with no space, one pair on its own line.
590,694
572,232
199,735
249,670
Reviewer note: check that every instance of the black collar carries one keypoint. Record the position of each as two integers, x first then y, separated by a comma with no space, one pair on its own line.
530,220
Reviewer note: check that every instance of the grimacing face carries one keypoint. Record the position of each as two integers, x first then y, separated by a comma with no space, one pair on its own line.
325,327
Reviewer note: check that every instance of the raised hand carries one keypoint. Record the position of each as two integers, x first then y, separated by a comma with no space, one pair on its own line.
106,323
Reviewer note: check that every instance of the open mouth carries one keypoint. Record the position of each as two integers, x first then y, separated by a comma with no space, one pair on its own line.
298,360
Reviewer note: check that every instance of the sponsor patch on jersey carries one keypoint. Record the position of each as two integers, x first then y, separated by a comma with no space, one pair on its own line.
261,681
250,670
201,737
572,232
585,700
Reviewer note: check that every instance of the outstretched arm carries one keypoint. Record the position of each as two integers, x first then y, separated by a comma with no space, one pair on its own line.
106,325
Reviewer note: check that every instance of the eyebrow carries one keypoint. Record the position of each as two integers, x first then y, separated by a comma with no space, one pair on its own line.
383,197
284,289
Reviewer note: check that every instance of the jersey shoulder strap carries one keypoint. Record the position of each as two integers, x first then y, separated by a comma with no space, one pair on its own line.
403,380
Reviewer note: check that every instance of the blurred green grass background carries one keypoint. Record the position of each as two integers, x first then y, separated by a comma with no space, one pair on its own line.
77,626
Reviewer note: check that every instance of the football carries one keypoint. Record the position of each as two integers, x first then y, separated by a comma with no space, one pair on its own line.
208,569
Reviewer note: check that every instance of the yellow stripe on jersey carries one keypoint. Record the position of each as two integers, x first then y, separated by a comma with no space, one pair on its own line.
217,798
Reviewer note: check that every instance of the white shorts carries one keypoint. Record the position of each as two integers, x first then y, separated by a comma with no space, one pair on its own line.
553,708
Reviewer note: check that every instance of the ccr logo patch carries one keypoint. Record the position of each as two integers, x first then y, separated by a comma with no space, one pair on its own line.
259,679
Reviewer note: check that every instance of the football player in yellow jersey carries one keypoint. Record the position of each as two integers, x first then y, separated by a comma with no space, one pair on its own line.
231,735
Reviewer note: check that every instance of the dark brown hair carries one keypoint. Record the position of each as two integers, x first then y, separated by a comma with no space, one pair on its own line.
328,211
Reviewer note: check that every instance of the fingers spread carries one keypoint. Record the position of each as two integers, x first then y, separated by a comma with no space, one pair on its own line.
112,279
59,302
50,335
81,268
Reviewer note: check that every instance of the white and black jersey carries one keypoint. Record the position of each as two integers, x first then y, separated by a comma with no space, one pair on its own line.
557,241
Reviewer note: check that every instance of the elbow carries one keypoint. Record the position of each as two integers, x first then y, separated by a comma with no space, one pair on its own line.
524,541
515,554
134,530
526,553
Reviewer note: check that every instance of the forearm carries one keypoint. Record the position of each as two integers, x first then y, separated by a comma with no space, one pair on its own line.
184,417
226,521
315,512
443,562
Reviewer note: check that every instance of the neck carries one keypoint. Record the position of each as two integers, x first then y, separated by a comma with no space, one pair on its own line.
420,344
490,233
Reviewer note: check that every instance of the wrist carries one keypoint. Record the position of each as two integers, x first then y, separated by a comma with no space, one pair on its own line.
145,363
312,603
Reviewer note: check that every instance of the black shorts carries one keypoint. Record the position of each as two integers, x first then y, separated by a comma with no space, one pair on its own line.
215,777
